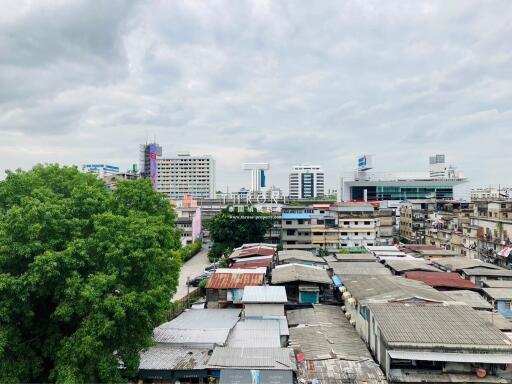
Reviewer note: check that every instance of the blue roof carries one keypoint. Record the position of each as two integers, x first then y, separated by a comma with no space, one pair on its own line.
337,281
296,216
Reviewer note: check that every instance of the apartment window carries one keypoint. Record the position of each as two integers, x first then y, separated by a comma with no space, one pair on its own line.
356,222
368,233
508,306
343,233
366,223
288,222
290,232
300,221
346,223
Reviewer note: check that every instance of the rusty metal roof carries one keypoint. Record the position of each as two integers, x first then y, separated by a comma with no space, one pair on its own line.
262,263
441,279
234,280
260,250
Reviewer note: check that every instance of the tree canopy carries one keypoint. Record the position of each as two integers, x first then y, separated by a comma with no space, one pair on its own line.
229,229
85,275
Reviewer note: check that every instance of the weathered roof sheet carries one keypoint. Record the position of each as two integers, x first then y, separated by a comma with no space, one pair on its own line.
441,279
297,254
190,336
497,283
410,265
205,319
259,250
332,371
471,298
169,357
499,293
225,280
255,333
343,268
460,263
383,248
296,272
250,264
389,288
437,252
487,272
496,319
264,294
247,358
453,327
368,257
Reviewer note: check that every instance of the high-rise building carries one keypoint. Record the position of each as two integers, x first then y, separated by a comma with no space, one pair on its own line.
257,175
186,175
149,154
306,181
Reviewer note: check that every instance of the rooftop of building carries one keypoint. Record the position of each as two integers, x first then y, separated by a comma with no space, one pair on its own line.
410,265
441,279
264,294
390,288
259,250
355,257
253,358
437,326
296,254
252,263
221,279
487,272
471,298
344,268
499,293
288,273
170,357
496,319
255,333
497,283
460,263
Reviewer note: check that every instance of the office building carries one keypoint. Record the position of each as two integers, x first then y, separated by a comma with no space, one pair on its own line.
149,153
100,170
368,186
306,182
258,180
186,175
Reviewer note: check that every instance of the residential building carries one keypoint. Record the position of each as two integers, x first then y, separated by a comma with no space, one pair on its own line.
479,275
112,180
491,193
436,342
501,299
306,182
149,154
296,228
186,175
413,216
188,220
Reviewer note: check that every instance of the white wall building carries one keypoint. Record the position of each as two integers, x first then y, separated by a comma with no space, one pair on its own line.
186,175
307,181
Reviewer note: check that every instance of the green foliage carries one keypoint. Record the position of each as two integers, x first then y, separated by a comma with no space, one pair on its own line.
343,251
202,283
191,250
85,275
229,230
323,252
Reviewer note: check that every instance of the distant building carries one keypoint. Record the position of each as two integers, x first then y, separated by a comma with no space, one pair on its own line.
100,170
364,185
307,181
112,180
149,154
186,175
258,180
491,193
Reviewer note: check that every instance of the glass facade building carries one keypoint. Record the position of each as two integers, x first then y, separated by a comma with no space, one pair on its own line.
401,193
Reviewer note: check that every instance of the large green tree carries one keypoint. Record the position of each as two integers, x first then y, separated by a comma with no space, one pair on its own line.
229,229
85,275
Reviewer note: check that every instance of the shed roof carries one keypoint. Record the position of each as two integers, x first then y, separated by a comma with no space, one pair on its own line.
499,293
176,358
225,280
250,264
247,358
454,327
410,265
437,252
259,250
264,294
471,298
296,272
441,279
496,319
497,283
460,263
487,272
297,254
254,333
389,288
343,268
368,257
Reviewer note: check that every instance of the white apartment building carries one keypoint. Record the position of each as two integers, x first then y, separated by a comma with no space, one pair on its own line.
307,181
491,193
186,175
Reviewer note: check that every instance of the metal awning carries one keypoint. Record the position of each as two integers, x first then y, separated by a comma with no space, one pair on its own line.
491,358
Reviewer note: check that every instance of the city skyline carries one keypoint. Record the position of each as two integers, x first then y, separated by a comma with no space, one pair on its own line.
248,82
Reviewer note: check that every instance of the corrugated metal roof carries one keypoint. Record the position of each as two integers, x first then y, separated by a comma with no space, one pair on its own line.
363,257
497,283
499,293
296,272
496,319
169,357
342,268
205,319
441,279
264,294
410,265
283,323
490,358
260,250
454,327
487,272
471,298
388,248
235,280
257,358
250,263
190,336
460,263
255,333
298,255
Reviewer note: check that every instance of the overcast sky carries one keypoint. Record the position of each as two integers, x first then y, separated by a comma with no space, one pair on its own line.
279,81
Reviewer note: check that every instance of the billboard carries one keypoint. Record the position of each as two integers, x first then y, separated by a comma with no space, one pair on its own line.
152,165
364,162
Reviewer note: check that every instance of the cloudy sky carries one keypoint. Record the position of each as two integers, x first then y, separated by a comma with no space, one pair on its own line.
287,82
